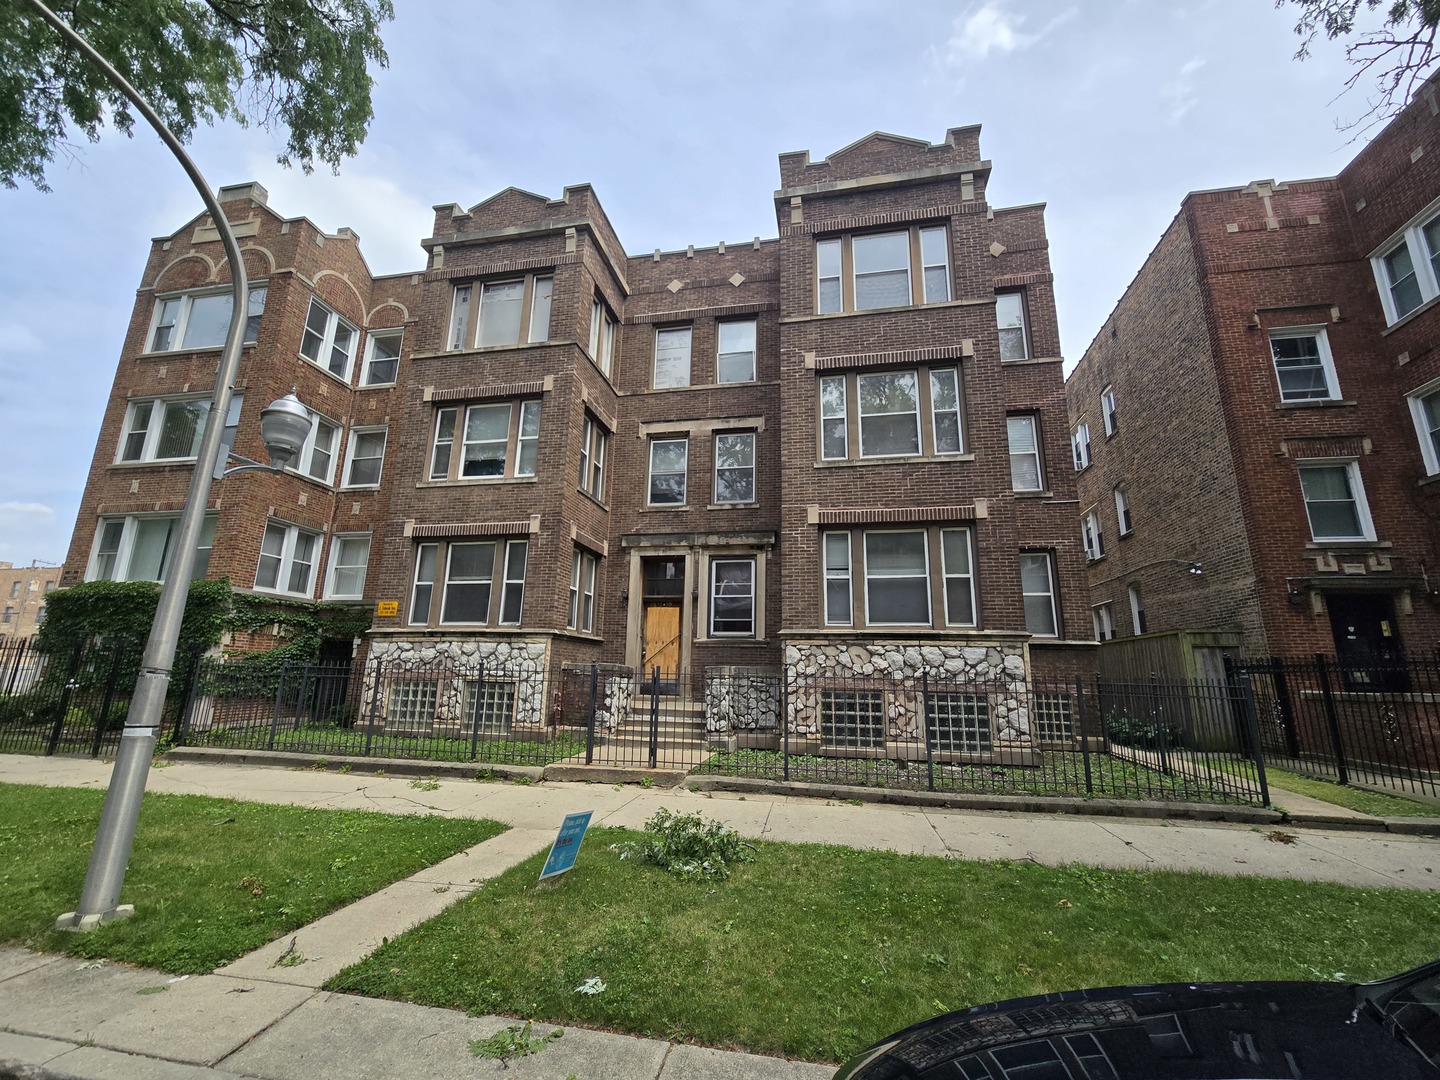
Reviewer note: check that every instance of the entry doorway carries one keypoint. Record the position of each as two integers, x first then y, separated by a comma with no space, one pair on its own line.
662,625
1367,642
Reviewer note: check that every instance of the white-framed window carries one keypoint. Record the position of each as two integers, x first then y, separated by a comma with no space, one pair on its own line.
1425,411
593,442
1407,267
1303,364
167,429
139,547
382,357
732,597
8,616
1010,322
200,320
1108,407
349,559
1025,471
582,591
493,440
672,357
1037,587
1091,537
735,352
897,579
838,608
735,468
1335,501
602,335
466,595
365,457
1137,610
288,555
328,340
958,567
1103,618
905,413
317,456
1080,445
668,464
881,270
486,314
1122,512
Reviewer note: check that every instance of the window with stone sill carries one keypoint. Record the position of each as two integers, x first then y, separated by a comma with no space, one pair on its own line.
669,463
382,357
1425,411
886,577
200,320
1010,324
672,357
469,582
1407,267
1026,473
584,569
328,340
365,457
602,335
349,559
317,456
484,314
594,441
1335,501
494,440
1091,537
898,268
1037,586
1304,367
1080,445
732,597
735,357
140,547
735,467
1104,622
905,413
168,429
288,556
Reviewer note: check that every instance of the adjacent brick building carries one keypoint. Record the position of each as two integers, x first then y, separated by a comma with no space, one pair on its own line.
541,450
23,590
1262,406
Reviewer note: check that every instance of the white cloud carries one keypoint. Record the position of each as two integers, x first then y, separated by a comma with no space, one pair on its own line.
991,28
1179,93
26,508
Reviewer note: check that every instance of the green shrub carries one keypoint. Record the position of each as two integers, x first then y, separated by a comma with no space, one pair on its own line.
687,845
1141,732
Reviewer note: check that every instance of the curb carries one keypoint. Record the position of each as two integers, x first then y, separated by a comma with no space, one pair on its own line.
363,766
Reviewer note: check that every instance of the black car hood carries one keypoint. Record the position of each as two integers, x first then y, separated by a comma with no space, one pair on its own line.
1213,1030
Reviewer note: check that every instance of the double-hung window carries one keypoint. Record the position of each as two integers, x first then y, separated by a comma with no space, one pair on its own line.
1091,536
1108,411
582,592
1103,619
897,579
959,577
349,558
201,320
486,441
903,413
1407,268
735,468
328,340
669,460
1335,501
593,440
1080,445
382,357
882,270
1025,471
602,335
140,548
288,555
837,579
167,429
1425,411
317,455
1122,512
1037,587
1010,322
1303,365
732,597
1137,610
465,593
672,357
365,457
735,356
883,577
496,313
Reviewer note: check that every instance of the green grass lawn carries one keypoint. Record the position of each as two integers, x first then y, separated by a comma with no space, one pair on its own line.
1366,802
210,879
341,742
817,951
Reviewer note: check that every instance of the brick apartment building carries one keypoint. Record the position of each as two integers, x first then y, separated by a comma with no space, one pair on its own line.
542,450
23,590
1263,404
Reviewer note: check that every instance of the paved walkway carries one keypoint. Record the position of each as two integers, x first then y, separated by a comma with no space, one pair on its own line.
253,1018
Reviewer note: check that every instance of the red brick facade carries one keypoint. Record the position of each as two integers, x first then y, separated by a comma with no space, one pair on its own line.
485,444
1262,379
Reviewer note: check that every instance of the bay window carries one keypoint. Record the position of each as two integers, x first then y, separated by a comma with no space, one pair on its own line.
328,340
287,559
905,413
465,593
494,441
167,429
496,313
201,320
140,547
602,335
867,271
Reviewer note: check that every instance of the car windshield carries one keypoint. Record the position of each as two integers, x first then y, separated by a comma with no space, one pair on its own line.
1415,1009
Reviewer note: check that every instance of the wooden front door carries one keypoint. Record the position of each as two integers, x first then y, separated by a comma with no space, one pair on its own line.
662,640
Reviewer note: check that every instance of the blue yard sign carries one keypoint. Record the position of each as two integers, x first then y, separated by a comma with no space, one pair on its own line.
567,844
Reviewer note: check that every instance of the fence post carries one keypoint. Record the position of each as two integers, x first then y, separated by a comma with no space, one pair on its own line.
1332,719
654,714
1157,710
1084,739
785,703
187,707
104,716
374,706
475,712
1287,707
1252,722
590,722
275,712
65,693
925,727
17,658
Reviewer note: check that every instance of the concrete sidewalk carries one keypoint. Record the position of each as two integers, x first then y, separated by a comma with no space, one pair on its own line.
254,1018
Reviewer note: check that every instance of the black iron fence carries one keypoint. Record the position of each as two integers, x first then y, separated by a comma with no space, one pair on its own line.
64,704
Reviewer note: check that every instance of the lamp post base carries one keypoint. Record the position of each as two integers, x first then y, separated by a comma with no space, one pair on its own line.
83,924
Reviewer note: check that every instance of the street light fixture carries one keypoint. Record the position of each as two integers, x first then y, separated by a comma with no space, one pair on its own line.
285,424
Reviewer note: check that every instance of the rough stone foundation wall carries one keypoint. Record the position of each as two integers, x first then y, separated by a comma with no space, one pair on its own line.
451,664
742,699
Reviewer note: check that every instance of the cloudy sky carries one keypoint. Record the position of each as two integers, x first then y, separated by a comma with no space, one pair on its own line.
1109,112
